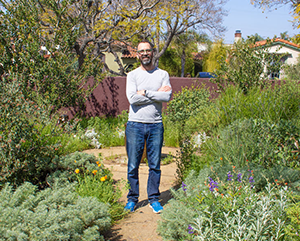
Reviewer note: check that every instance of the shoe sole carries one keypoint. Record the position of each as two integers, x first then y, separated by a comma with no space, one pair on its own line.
154,210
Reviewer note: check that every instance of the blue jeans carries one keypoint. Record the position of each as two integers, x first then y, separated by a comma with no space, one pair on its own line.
136,135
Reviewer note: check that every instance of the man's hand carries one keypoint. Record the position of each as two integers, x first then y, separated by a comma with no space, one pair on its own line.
165,88
141,92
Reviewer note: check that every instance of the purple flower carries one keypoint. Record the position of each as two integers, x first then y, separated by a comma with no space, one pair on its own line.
229,176
183,186
251,179
239,177
190,229
212,184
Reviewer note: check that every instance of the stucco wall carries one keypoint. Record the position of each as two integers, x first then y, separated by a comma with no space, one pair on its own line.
109,97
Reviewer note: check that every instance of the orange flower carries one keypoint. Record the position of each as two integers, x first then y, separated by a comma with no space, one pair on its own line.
102,179
77,171
247,160
276,180
233,167
97,162
221,158
105,176
286,183
94,172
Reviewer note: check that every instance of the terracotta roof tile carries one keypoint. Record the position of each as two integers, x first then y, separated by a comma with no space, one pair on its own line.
197,56
263,42
129,53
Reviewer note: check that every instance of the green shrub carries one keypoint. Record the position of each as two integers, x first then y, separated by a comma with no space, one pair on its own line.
66,138
293,213
272,104
256,141
205,120
93,180
24,154
108,131
186,103
56,213
245,65
171,132
208,207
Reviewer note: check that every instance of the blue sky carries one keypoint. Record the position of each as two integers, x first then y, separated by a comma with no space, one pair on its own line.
250,20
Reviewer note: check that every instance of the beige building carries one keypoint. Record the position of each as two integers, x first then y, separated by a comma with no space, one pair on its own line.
126,54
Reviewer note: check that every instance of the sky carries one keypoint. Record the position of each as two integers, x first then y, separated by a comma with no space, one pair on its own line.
250,20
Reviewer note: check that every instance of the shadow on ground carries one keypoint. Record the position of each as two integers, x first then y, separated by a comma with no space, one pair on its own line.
114,233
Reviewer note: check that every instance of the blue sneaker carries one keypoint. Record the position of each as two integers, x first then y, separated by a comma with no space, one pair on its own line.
157,208
130,206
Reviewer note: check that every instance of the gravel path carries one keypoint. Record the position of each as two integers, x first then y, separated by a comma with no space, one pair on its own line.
140,225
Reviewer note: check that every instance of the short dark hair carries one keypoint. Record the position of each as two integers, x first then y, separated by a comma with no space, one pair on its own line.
146,41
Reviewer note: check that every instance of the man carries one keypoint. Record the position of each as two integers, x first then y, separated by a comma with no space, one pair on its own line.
146,88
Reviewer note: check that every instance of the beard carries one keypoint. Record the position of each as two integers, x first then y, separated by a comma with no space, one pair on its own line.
146,60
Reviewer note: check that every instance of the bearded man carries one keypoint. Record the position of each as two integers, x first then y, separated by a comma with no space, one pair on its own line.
146,88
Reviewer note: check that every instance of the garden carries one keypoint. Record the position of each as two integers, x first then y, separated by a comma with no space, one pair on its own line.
238,168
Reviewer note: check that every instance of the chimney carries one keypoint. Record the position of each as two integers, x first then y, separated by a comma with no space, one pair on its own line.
237,35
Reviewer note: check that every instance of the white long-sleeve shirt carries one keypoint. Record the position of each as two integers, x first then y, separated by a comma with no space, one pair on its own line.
148,108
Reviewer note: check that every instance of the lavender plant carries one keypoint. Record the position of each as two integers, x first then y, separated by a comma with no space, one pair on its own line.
227,208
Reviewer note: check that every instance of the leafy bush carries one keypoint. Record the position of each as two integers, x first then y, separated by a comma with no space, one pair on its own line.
171,132
293,213
271,104
211,208
256,141
186,103
109,131
205,120
92,178
24,154
245,65
56,213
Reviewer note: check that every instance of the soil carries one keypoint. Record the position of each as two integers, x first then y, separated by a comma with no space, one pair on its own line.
140,225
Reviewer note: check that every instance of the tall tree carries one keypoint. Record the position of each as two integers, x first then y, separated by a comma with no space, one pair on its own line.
215,56
185,44
175,17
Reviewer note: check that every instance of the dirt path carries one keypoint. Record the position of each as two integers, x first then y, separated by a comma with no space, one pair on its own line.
140,225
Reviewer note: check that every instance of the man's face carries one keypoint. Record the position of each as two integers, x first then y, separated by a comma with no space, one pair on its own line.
145,53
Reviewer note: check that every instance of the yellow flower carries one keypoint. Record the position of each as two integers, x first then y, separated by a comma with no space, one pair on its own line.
99,165
75,161
94,172
77,171
102,179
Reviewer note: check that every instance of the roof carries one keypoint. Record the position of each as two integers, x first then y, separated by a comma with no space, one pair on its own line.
129,53
278,41
198,56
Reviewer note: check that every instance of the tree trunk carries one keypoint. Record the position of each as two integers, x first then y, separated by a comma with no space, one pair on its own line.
183,55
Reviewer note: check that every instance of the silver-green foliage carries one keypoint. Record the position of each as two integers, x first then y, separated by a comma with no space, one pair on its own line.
272,103
56,213
230,210
257,141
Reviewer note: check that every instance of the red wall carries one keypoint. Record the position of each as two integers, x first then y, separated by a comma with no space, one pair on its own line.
109,97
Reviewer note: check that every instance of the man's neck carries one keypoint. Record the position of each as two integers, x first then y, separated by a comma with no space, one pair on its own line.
147,67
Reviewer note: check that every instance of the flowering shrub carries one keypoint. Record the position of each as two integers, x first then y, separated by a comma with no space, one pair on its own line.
208,207
92,178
